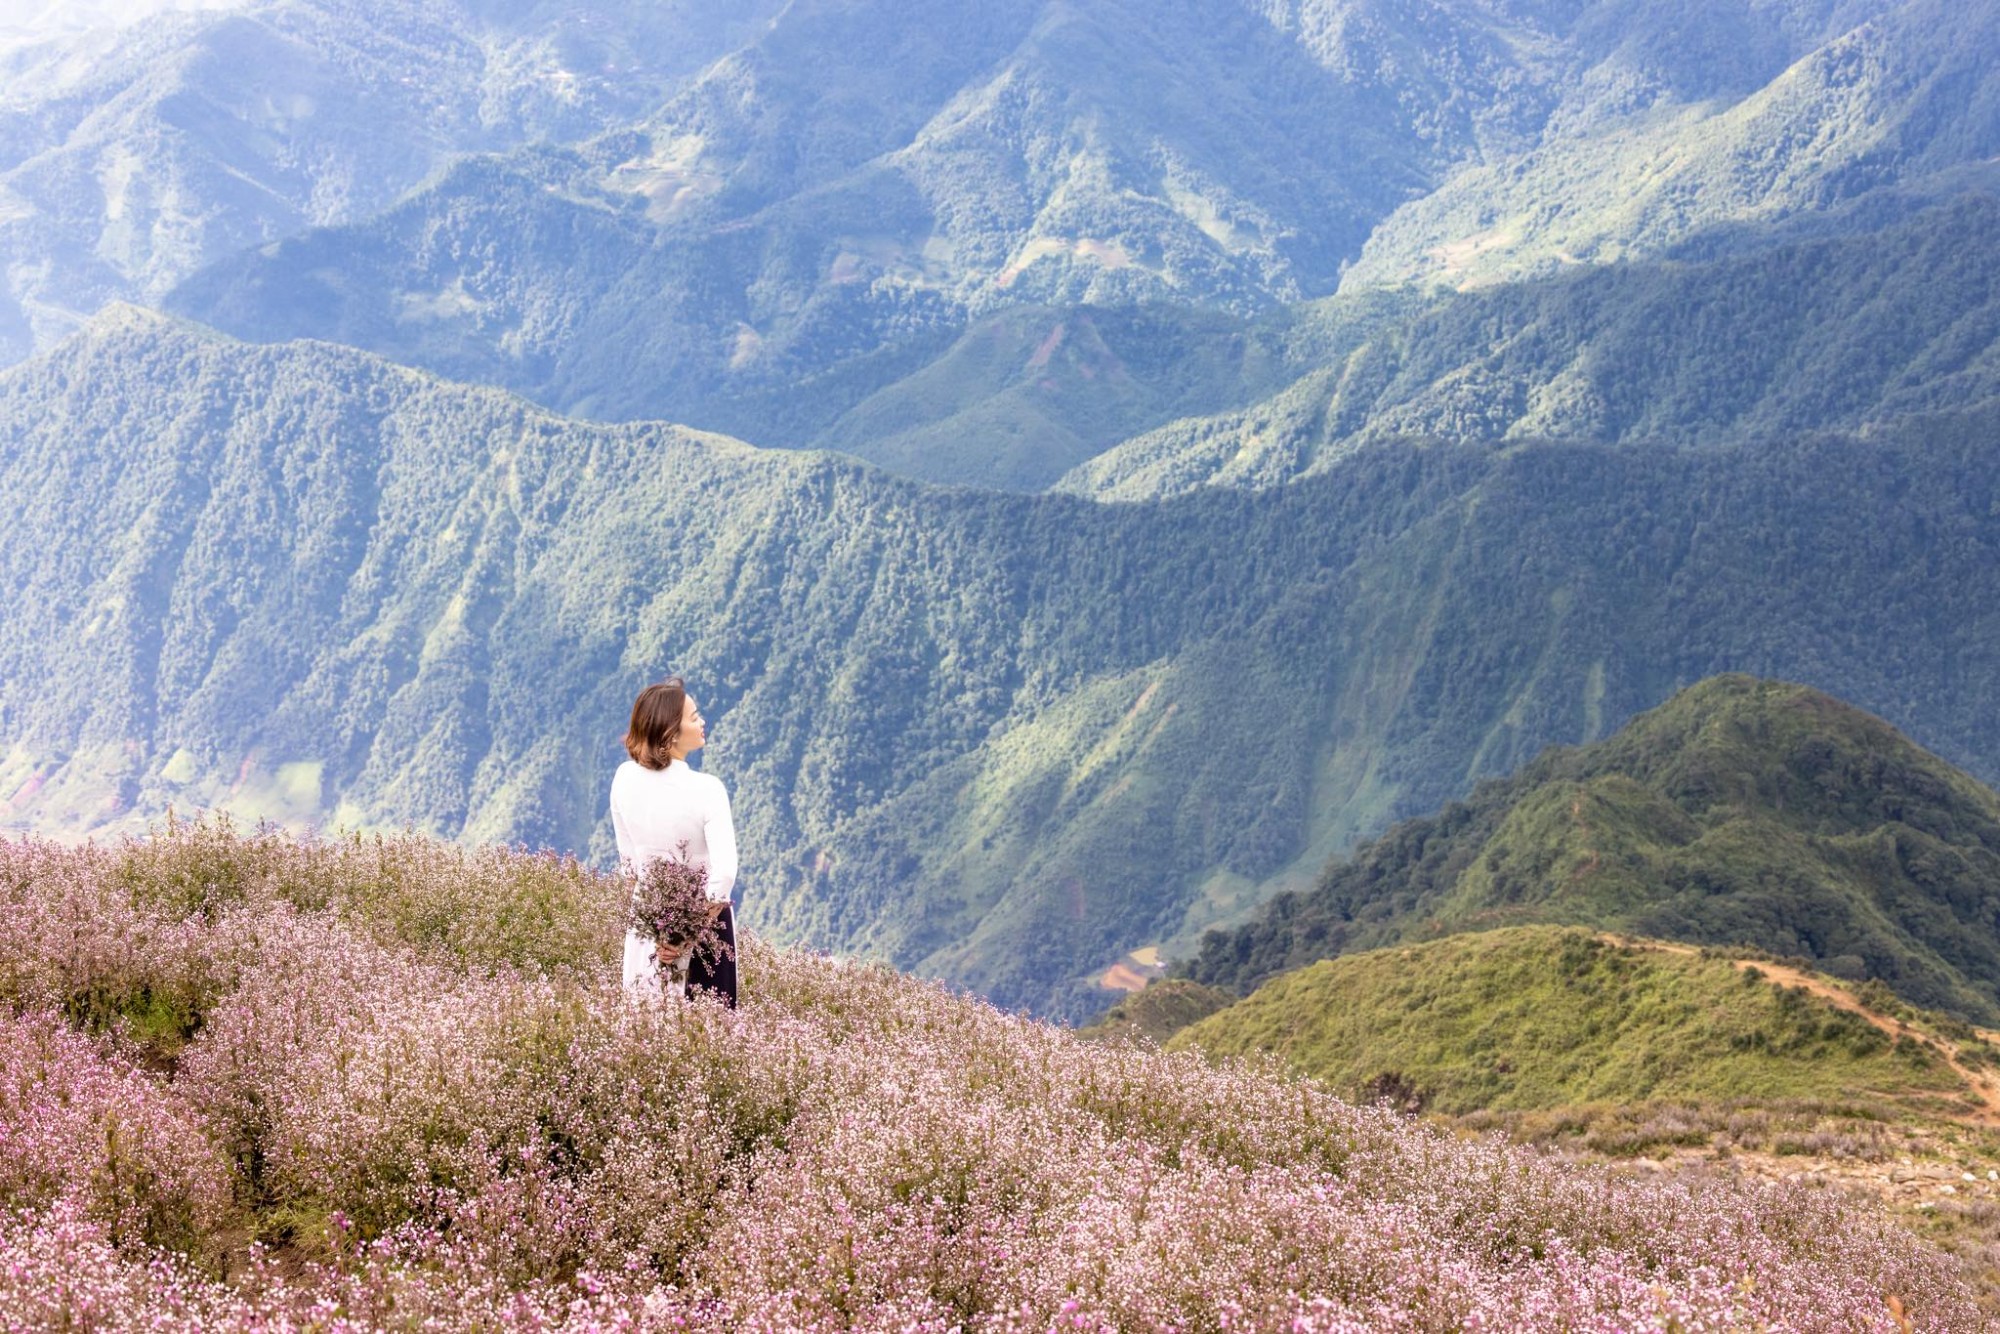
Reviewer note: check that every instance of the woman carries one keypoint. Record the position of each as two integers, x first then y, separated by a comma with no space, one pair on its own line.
662,808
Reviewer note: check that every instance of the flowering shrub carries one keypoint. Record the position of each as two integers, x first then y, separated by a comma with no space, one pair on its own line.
465,1123
82,1128
671,907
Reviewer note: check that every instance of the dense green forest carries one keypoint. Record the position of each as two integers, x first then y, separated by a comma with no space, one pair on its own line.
1001,738
1138,402
1739,813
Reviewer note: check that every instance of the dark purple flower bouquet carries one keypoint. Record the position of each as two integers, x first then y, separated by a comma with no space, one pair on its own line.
671,908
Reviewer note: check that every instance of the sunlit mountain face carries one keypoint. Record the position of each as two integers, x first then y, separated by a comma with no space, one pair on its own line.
137,150
36,20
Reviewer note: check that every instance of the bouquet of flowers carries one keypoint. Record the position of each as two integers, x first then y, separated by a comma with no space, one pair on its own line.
671,908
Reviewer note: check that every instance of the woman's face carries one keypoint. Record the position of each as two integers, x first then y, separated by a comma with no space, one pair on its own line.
694,728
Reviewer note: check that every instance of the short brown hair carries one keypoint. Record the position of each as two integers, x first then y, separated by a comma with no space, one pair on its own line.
656,722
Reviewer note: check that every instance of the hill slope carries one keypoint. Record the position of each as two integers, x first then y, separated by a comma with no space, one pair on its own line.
403,1070
1539,1017
1002,738
1741,812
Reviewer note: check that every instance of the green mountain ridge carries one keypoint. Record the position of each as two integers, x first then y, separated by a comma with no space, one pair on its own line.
859,178
1529,1018
1741,813
995,737
999,739
1841,332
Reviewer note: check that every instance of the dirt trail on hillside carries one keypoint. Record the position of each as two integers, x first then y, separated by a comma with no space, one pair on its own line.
1984,1084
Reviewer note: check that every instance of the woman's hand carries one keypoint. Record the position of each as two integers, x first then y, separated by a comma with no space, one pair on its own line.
672,952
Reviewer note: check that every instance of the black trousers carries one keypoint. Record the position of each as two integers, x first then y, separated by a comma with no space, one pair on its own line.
716,974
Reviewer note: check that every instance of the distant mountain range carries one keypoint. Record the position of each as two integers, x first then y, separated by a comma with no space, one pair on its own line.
1845,332
1741,813
761,219
132,154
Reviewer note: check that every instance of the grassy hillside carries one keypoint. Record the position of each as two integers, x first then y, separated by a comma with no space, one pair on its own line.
405,1072
1158,1011
1843,332
1523,1018
1741,812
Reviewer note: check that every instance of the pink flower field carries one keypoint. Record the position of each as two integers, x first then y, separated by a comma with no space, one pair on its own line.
253,1082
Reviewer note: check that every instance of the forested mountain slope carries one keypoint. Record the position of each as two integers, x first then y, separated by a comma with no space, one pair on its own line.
1024,395
1711,126
1740,813
1005,738
860,179
1829,333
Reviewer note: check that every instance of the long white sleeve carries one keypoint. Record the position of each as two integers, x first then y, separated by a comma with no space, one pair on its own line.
720,832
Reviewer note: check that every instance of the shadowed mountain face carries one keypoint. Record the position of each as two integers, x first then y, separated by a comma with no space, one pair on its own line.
1003,738
1740,813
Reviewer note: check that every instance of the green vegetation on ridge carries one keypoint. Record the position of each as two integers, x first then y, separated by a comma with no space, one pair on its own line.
1841,332
1739,813
1540,1017
800,244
